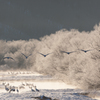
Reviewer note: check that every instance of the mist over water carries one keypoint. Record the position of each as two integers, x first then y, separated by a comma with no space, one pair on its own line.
78,68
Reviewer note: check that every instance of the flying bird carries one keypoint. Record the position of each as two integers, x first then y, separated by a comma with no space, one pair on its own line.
26,56
8,58
44,54
68,52
84,50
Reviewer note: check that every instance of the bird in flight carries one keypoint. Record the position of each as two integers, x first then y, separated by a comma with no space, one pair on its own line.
44,54
68,52
8,58
84,50
26,56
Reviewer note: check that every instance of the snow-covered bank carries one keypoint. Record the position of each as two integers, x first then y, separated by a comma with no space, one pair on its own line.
53,89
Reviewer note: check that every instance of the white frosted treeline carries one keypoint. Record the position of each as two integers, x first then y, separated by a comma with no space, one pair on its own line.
78,68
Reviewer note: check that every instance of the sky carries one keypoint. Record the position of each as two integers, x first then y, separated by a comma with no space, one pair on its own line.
28,19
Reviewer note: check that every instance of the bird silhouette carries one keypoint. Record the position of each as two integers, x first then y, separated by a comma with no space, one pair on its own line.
32,89
12,88
36,89
26,56
68,52
44,54
8,58
17,89
85,50
7,88
23,84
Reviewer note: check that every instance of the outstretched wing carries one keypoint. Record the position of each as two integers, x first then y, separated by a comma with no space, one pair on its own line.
29,55
41,53
4,57
63,51
68,52
85,50
11,58
24,54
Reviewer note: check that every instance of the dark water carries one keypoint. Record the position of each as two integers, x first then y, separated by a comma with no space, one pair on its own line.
28,19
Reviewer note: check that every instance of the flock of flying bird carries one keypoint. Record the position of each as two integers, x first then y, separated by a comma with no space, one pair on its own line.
44,55
75,51
26,56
